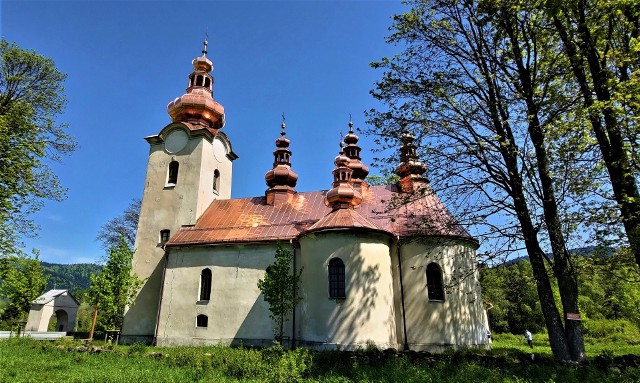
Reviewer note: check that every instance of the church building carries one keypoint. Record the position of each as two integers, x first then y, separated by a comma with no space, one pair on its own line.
373,272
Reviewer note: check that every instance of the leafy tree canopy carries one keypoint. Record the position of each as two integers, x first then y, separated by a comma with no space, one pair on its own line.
31,99
114,287
23,281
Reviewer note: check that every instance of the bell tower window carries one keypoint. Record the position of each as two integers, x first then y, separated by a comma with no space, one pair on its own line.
164,236
173,173
216,181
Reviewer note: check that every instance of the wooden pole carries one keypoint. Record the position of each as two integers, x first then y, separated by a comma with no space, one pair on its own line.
93,323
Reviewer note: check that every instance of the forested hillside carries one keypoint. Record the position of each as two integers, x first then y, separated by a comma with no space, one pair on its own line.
609,294
75,278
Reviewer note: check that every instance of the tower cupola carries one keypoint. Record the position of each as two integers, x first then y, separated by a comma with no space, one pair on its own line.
343,194
197,106
352,150
281,179
410,170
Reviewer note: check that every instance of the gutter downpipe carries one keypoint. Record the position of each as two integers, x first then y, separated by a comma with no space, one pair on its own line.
164,271
404,317
295,294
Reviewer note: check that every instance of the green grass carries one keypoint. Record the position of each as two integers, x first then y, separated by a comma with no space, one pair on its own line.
612,346
24,360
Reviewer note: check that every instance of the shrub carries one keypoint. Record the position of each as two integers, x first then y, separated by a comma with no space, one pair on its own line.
612,330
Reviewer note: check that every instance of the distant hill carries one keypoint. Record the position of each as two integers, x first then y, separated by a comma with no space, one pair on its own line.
582,251
75,277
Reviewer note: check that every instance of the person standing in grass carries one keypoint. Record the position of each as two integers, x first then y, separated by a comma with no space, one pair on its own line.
529,338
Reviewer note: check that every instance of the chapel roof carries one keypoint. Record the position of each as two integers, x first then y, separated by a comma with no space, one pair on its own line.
246,220
51,295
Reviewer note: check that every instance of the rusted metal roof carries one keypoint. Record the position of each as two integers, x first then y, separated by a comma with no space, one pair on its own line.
244,220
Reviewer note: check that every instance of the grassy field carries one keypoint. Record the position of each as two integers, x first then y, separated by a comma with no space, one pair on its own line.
510,360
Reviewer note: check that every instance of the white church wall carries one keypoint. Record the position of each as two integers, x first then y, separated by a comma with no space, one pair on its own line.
367,313
236,311
460,319
163,207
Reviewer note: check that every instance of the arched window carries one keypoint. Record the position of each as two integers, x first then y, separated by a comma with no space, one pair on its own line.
198,80
173,172
434,282
202,321
164,235
205,285
336,279
207,82
216,180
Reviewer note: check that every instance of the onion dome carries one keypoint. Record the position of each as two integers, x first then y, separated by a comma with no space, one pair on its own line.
343,194
197,106
281,174
411,169
352,150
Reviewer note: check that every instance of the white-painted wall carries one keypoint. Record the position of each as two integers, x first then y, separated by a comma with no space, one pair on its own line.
40,315
367,314
170,207
236,311
460,320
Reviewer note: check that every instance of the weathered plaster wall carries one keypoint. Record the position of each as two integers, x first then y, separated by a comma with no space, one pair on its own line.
367,314
39,315
236,310
459,320
170,207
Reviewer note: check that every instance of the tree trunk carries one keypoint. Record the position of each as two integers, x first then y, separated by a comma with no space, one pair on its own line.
553,321
94,318
609,136
565,275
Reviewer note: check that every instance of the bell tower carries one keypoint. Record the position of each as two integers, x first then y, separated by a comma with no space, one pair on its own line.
190,165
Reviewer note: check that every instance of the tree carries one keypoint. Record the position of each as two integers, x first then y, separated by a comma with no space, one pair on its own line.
279,288
480,84
114,287
600,40
22,281
123,225
31,99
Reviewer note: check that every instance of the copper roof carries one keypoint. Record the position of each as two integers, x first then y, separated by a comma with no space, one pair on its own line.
245,220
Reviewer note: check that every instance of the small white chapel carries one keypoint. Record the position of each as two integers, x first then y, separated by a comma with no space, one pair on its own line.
372,273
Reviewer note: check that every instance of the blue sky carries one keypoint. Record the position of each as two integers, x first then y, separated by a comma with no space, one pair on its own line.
126,60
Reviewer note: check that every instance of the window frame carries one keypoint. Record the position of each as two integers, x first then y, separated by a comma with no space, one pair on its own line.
164,233
336,273
172,173
216,181
202,317
206,279
435,282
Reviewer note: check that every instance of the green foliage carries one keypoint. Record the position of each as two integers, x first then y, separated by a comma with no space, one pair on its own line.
511,290
114,287
83,318
604,330
382,180
22,282
279,288
25,360
31,99
609,295
75,277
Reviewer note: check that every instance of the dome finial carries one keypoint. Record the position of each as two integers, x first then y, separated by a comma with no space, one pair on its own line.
283,125
350,124
204,50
